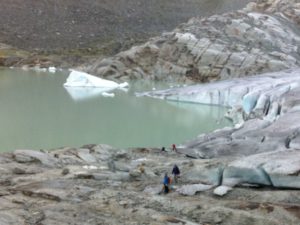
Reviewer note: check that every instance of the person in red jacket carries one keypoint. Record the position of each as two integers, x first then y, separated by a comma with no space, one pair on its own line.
174,148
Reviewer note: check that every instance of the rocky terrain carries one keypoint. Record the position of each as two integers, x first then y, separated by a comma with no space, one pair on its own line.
98,184
69,33
262,37
246,174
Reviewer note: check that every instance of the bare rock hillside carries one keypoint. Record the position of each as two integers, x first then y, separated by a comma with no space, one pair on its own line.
263,37
56,26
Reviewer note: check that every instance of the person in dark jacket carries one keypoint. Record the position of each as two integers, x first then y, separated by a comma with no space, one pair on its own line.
176,172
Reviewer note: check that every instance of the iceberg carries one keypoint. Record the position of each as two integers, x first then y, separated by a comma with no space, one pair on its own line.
105,94
83,93
81,79
52,69
82,86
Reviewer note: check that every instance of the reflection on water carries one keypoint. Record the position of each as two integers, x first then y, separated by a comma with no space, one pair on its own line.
85,93
36,112
203,111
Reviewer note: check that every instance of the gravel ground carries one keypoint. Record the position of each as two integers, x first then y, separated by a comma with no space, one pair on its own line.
53,26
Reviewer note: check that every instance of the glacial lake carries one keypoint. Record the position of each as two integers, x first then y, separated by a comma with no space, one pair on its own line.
37,112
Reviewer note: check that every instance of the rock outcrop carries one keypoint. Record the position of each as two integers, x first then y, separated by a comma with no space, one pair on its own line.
263,37
98,184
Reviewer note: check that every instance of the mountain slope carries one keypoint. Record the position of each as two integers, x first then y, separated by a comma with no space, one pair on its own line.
55,25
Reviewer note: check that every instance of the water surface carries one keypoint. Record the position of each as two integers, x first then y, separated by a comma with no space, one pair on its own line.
37,112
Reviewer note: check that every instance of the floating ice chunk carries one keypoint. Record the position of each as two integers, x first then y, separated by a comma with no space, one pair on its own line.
84,93
39,69
81,79
123,85
105,94
52,69
25,67
82,86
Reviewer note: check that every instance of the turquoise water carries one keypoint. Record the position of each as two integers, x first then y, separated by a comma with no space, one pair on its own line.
37,112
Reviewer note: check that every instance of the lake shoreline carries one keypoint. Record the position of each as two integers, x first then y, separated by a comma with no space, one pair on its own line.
59,116
240,175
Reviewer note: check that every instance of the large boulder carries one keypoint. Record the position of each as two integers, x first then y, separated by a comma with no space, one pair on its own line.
26,156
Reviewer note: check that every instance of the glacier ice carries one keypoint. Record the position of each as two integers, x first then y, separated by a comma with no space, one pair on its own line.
81,86
84,93
52,69
81,79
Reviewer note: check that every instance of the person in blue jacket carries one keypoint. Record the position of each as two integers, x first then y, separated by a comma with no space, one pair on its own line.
166,182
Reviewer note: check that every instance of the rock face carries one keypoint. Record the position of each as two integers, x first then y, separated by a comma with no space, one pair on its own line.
260,38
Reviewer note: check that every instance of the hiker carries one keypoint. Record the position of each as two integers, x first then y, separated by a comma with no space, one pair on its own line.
174,148
176,172
166,183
